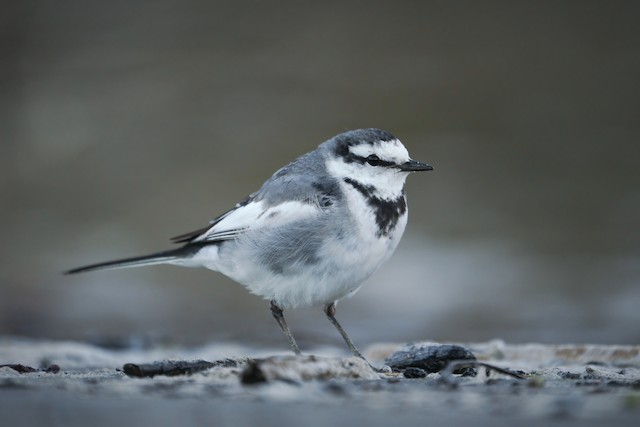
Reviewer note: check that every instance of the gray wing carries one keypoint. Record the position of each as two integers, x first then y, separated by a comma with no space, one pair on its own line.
287,197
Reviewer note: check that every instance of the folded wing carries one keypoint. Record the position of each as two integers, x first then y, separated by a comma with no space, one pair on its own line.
282,202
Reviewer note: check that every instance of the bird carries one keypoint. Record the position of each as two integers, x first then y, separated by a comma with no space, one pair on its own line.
314,231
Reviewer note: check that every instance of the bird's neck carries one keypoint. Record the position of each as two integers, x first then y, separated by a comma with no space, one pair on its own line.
384,187
387,211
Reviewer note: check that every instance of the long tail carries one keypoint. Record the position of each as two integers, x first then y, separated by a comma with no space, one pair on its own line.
164,257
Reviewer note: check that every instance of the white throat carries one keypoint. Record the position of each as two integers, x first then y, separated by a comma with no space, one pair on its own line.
386,182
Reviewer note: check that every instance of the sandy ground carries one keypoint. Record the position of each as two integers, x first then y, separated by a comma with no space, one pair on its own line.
564,384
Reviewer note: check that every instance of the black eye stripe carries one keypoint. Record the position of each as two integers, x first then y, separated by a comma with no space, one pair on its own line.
374,160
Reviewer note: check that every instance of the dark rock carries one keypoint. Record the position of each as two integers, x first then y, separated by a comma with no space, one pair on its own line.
166,367
414,373
23,369
20,368
253,374
52,369
430,358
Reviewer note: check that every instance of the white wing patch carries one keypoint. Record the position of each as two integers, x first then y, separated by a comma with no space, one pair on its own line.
254,216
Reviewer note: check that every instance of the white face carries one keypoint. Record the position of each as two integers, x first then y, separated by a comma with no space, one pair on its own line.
387,180
391,151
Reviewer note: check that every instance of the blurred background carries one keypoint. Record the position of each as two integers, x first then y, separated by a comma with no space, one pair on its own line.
125,123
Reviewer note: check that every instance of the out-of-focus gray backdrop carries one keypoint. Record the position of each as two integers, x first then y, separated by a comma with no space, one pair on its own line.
125,123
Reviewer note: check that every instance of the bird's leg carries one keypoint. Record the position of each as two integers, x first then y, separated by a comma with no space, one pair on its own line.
277,314
330,311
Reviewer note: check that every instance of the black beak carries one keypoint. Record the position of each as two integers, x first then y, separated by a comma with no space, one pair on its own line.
414,166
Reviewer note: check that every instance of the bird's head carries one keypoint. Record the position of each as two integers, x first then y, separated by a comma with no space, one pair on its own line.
372,157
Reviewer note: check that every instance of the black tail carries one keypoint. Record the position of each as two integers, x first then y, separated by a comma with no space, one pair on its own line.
139,261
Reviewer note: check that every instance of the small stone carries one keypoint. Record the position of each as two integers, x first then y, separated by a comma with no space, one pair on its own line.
253,374
414,373
20,368
166,367
52,369
430,357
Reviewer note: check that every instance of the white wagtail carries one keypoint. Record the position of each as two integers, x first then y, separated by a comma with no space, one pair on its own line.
313,233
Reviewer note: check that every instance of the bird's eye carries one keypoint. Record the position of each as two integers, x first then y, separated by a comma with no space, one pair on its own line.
373,160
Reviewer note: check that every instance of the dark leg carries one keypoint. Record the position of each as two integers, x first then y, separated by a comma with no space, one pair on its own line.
330,311
277,313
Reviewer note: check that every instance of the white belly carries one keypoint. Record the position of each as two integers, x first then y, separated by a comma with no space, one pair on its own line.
340,264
